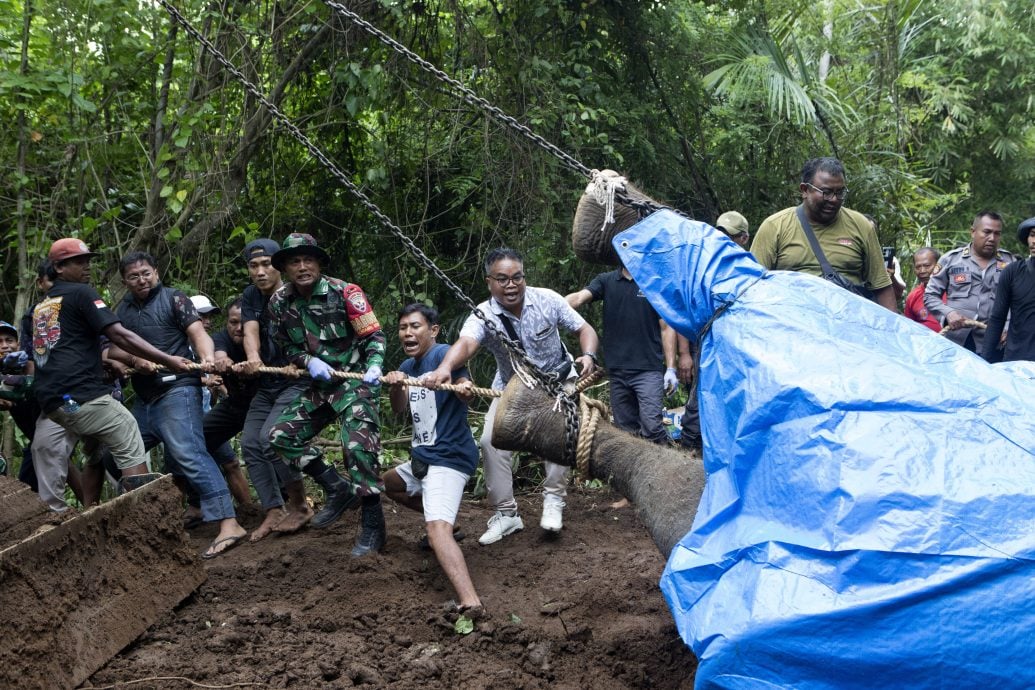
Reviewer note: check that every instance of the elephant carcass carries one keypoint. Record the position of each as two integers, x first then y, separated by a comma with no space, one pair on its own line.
664,484
868,516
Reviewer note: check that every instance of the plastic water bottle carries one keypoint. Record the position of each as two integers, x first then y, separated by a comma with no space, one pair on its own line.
70,406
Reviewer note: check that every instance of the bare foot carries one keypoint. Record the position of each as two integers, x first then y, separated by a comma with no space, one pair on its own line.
293,521
273,518
618,505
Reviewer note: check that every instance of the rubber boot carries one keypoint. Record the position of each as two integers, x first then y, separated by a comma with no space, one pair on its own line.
340,498
372,535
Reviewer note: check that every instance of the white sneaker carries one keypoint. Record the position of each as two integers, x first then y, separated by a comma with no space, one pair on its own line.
553,516
501,525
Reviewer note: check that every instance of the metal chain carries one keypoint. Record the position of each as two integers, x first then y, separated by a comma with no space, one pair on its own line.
473,99
550,380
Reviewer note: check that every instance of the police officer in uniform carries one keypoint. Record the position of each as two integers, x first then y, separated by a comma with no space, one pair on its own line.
323,325
969,275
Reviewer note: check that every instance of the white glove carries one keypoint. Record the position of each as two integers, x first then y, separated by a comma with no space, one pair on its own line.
671,380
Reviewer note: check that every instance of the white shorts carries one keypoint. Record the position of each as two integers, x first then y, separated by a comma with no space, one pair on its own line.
440,490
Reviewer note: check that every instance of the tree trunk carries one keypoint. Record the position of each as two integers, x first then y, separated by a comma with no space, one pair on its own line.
21,301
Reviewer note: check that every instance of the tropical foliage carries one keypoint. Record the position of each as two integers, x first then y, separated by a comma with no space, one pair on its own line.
123,131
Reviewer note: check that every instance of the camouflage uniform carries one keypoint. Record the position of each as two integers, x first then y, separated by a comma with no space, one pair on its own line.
337,324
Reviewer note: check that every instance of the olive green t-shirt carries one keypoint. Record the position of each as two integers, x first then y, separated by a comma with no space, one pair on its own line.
850,244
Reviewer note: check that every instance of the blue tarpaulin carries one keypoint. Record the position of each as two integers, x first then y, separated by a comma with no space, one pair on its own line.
869,513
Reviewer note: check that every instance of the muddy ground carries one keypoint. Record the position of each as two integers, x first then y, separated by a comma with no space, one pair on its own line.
580,610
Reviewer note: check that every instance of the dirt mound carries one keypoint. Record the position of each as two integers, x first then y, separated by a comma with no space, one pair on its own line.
581,610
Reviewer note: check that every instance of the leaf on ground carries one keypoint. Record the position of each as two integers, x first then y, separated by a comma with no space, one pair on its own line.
463,626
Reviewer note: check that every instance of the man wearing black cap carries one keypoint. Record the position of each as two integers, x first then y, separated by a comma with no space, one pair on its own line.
268,472
1015,297
66,350
326,325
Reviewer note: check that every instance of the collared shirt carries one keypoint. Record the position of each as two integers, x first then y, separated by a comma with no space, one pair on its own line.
970,289
335,323
542,313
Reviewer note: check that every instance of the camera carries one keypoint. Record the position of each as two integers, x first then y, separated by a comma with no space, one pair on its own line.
889,256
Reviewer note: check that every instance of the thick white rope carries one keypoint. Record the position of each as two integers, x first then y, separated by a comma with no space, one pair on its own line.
602,188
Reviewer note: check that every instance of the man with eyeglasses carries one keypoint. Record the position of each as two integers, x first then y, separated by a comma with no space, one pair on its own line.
969,277
532,316
845,236
168,405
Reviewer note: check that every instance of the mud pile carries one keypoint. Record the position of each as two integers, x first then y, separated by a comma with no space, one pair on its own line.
582,610
77,588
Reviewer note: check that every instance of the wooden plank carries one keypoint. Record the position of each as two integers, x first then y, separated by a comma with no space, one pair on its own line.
73,595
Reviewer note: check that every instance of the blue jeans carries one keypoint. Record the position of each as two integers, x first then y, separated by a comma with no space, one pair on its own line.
175,420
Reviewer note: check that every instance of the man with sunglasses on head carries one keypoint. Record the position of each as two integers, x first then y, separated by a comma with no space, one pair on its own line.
532,316
846,237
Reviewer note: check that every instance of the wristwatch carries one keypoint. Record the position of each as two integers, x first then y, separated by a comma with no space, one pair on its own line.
591,356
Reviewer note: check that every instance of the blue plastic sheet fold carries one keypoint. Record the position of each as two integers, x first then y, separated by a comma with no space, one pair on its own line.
869,514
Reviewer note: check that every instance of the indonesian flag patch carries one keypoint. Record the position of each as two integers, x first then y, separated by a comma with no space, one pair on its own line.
99,303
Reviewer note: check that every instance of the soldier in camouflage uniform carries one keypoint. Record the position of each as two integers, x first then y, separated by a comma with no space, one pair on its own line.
323,325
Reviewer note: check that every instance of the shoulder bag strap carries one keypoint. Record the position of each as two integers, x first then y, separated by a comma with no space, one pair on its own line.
816,249
511,333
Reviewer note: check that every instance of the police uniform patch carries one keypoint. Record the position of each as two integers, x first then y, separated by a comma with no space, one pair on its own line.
960,278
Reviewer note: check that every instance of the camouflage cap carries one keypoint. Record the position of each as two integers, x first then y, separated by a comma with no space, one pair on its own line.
299,243
68,248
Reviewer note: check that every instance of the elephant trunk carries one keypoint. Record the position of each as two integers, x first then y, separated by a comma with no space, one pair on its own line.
663,483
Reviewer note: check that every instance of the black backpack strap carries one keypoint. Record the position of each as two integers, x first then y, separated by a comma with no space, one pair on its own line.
824,265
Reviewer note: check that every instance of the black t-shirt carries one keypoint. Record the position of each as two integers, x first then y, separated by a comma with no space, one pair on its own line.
253,308
66,346
237,387
632,331
1015,296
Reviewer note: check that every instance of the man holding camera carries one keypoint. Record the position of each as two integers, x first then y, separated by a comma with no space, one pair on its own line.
846,237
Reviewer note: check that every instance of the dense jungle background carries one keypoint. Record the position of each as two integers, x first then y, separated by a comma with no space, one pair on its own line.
120,130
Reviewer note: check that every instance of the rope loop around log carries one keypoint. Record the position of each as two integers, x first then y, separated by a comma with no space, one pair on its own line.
967,323
590,411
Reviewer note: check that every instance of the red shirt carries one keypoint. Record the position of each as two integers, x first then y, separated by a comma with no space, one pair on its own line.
916,310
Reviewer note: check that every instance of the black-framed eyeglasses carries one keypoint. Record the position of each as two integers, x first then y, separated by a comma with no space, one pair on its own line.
503,281
831,194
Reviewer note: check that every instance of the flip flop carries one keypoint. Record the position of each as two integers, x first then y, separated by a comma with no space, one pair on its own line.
230,542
